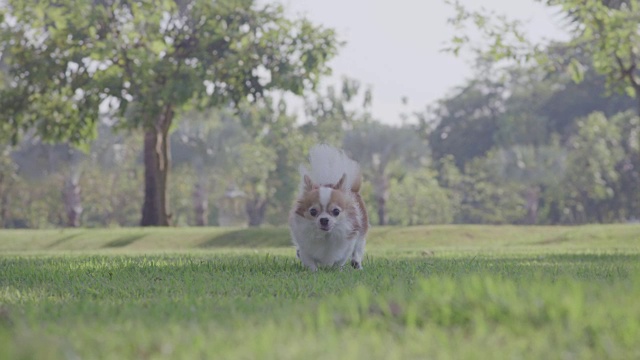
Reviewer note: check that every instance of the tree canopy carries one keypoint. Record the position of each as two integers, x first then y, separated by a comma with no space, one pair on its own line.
68,62
62,61
606,30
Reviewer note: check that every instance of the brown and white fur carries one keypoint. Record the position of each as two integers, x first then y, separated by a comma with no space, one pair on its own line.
329,222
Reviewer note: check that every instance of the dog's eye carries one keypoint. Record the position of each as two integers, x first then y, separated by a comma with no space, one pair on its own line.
336,212
313,212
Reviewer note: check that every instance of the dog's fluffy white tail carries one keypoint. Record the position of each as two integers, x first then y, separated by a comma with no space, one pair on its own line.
328,164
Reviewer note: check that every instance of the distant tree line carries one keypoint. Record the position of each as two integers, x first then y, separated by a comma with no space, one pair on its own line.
545,142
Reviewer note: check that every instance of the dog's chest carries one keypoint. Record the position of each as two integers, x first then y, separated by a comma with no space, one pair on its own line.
327,247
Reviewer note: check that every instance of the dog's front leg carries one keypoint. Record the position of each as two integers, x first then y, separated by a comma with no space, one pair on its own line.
307,261
358,253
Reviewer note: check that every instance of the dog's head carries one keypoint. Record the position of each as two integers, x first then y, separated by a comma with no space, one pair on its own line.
324,204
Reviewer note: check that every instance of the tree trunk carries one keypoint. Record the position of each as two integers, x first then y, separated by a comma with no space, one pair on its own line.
256,209
4,202
637,90
381,189
156,170
71,189
200,192
201,204
72,200
533,197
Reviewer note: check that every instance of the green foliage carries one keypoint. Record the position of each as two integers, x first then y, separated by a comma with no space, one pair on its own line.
8,180
525,144
111,197
485,199
147,57
384,149
330,113
470,114
256,150
384,153
515,144
569,101
148,60
595,152
524,106
605,30
592,189
205,161
481,193
111,180
608,31
257,162
269,163
529,165
107,178
290,145
418,199
37,203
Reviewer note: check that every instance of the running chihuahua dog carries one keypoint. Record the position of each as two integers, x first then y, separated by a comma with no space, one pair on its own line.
329,221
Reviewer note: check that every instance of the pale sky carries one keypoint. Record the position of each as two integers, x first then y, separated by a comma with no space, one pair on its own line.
395,45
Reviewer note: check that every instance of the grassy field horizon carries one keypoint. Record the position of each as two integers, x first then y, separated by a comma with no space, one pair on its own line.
445,292
389,238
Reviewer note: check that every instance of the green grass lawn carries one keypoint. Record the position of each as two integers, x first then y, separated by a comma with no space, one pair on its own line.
459,292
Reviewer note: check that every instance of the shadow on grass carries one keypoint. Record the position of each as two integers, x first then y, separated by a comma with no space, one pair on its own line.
554,240
62,240
123,241
250,238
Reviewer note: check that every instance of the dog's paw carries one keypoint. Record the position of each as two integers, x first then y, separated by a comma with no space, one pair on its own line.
356,264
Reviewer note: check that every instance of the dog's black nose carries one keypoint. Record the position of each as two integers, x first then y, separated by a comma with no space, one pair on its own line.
324,221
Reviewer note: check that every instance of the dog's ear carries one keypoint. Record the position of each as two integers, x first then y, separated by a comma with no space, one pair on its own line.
340,185
308,184
300,209
357,183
